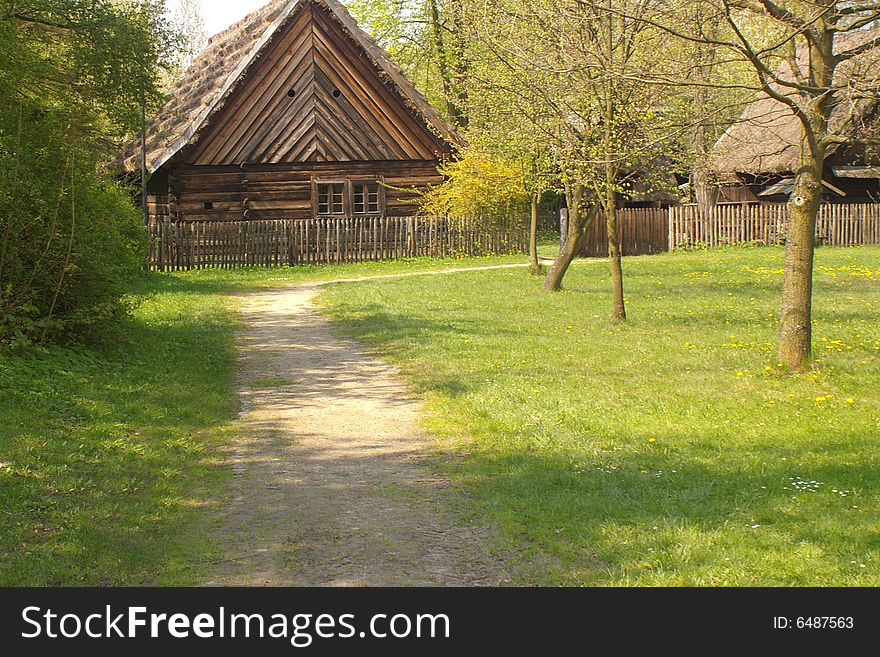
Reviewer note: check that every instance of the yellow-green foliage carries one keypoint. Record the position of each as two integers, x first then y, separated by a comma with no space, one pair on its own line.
478,184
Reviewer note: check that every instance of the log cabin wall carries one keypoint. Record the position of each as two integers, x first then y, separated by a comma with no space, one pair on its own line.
286,191
159,197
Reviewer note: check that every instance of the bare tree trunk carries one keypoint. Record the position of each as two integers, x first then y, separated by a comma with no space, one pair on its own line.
453,109
616,257
705,193
795,328
577,229
795,325
618,311
534,265
145,206
64,269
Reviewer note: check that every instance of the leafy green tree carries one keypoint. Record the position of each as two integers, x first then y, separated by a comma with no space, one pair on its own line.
571,70
187,21
428,40
74,75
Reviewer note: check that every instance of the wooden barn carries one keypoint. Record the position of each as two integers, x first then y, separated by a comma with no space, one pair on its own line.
756,158
292,113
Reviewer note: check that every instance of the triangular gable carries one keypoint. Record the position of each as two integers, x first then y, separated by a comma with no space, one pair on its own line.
218,73
313,95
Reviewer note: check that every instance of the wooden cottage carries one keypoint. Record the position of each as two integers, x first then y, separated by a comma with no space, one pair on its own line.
755,160
292,113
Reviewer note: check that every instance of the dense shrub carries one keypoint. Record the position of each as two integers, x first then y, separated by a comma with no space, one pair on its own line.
478,185
70,238
73,76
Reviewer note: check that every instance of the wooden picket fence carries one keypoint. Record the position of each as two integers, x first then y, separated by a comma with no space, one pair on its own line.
177,245
654,230
270,243
642,231
837,225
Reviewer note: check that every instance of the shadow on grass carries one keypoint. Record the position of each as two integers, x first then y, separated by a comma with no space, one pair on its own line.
630,509
153,283
110,452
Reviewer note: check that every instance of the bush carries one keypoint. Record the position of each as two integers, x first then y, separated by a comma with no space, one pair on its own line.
478,185
46,295
74,78
71,241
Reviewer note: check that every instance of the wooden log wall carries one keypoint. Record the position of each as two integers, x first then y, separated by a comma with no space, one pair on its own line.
177,245
159,206
285,191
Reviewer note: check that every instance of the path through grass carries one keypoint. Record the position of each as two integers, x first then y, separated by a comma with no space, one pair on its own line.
112,457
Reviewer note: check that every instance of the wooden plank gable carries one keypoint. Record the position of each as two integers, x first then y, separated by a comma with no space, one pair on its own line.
313,96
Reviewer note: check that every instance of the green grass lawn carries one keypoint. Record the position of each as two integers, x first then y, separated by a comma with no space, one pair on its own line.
670,450
111,457
658,452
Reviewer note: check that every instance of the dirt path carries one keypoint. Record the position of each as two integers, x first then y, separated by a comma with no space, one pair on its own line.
331,485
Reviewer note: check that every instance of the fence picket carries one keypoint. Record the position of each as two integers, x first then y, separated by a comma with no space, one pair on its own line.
226,244
177,245
836,225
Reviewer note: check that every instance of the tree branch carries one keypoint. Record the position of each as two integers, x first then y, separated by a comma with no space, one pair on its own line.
771,9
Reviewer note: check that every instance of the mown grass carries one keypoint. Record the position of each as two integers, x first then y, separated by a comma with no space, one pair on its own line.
249,279
670,450
112,456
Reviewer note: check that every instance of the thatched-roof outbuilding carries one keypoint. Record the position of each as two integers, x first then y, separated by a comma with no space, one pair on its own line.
759,154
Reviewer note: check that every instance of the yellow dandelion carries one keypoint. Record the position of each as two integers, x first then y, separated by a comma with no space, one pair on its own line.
850,400
652,440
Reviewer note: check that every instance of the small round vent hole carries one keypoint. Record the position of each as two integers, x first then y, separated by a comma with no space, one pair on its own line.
291,93
336,93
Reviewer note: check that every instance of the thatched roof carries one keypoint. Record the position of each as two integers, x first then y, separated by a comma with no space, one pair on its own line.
766,137
217,71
